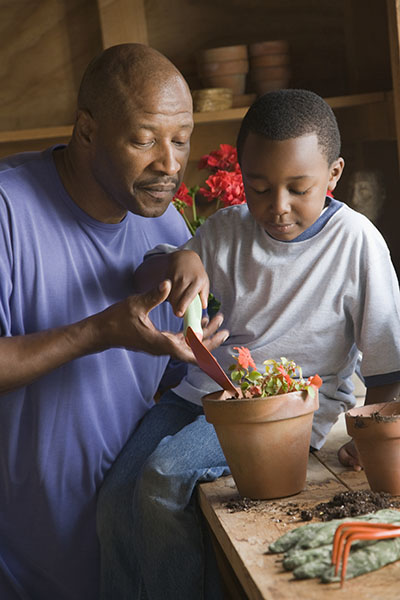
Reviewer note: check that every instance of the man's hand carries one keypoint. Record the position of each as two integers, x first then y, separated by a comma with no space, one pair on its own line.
127,324
348,456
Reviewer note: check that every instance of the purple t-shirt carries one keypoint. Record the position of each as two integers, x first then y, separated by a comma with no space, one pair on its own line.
60,435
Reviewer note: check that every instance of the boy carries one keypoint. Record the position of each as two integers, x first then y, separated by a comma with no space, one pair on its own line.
298,274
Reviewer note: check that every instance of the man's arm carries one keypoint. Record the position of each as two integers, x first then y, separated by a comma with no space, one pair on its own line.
347,454
125,324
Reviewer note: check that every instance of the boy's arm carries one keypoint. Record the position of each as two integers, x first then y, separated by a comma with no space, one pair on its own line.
185,271
347,454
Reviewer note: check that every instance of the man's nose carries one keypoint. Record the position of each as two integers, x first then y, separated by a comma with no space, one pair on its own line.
166,160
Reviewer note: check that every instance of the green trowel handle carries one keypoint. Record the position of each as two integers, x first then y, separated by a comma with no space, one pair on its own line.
192,317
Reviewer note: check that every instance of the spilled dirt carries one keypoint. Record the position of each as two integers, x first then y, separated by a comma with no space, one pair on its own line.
344,504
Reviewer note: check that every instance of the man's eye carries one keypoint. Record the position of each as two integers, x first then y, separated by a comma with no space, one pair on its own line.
180,142
142,143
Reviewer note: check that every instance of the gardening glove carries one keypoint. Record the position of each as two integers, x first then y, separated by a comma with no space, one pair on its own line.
369,557
308,548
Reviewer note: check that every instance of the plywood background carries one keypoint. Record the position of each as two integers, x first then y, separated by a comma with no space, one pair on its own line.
44,49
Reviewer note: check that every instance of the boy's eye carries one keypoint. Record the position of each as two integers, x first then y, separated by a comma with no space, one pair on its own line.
299,192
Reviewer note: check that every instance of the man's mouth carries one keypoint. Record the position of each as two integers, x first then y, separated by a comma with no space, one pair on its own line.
159,190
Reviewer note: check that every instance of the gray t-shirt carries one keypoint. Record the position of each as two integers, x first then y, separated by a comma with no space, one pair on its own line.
319,300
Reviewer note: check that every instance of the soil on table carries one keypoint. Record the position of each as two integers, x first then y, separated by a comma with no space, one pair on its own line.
344,504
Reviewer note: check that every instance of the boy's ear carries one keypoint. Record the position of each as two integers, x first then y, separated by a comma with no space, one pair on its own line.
336,170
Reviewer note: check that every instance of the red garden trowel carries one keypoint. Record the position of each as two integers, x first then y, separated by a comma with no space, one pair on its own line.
206,361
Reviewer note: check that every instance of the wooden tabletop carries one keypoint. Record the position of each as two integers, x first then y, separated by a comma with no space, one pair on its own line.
244,535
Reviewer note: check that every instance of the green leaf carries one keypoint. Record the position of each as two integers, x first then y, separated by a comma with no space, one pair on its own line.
237,375
254,376
311,391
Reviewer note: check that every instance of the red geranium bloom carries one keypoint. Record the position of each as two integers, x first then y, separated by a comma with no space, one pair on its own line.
223,158
183,195
244,359
226,186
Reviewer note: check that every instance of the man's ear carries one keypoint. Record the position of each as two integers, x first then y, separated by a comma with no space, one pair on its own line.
84,127
336,170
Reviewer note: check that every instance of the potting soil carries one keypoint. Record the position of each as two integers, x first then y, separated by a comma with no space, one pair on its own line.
343,504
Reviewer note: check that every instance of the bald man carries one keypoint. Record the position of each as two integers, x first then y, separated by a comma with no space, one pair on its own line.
78,364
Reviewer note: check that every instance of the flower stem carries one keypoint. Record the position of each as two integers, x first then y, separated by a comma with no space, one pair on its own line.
194,207
188,223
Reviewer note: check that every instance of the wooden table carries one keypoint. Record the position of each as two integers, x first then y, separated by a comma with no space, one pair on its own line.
244,536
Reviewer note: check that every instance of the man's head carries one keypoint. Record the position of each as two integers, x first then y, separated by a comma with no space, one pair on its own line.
288,148
133,127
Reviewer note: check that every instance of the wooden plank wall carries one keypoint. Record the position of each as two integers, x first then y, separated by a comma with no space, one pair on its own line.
44,49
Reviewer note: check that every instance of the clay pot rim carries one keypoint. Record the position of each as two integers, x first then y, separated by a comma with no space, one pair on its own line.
268,47
367,412
256,410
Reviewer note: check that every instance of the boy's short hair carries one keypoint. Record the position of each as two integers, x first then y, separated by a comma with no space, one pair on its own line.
291,113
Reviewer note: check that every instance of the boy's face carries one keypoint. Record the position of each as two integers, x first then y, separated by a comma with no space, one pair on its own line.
286,183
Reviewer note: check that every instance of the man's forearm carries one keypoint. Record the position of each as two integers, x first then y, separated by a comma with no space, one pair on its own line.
25,358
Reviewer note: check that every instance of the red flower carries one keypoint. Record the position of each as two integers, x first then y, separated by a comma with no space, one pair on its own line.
244,359
315,381
183,195
285,375
223,158
226,186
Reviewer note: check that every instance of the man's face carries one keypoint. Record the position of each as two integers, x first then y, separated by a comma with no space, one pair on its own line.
286,183
139,157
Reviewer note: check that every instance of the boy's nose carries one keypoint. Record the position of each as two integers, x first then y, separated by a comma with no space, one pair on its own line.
280,203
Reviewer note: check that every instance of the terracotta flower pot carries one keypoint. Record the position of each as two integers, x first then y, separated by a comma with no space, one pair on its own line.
235,81
375,430
224,67
269,47
269,60
221,53
265,440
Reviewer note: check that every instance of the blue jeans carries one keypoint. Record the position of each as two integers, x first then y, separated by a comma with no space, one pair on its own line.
154,543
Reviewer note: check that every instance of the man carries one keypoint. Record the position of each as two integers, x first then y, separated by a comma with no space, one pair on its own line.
75,372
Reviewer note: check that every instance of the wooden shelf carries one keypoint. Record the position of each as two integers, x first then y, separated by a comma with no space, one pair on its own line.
236,114
205,118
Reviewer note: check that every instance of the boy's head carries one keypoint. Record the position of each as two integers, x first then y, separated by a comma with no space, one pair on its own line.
288,148
287,114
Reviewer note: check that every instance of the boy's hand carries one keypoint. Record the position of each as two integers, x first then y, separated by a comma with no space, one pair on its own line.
188,278
348,456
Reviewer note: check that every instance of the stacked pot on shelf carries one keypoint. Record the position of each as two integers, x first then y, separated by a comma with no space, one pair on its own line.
255,69
269,66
